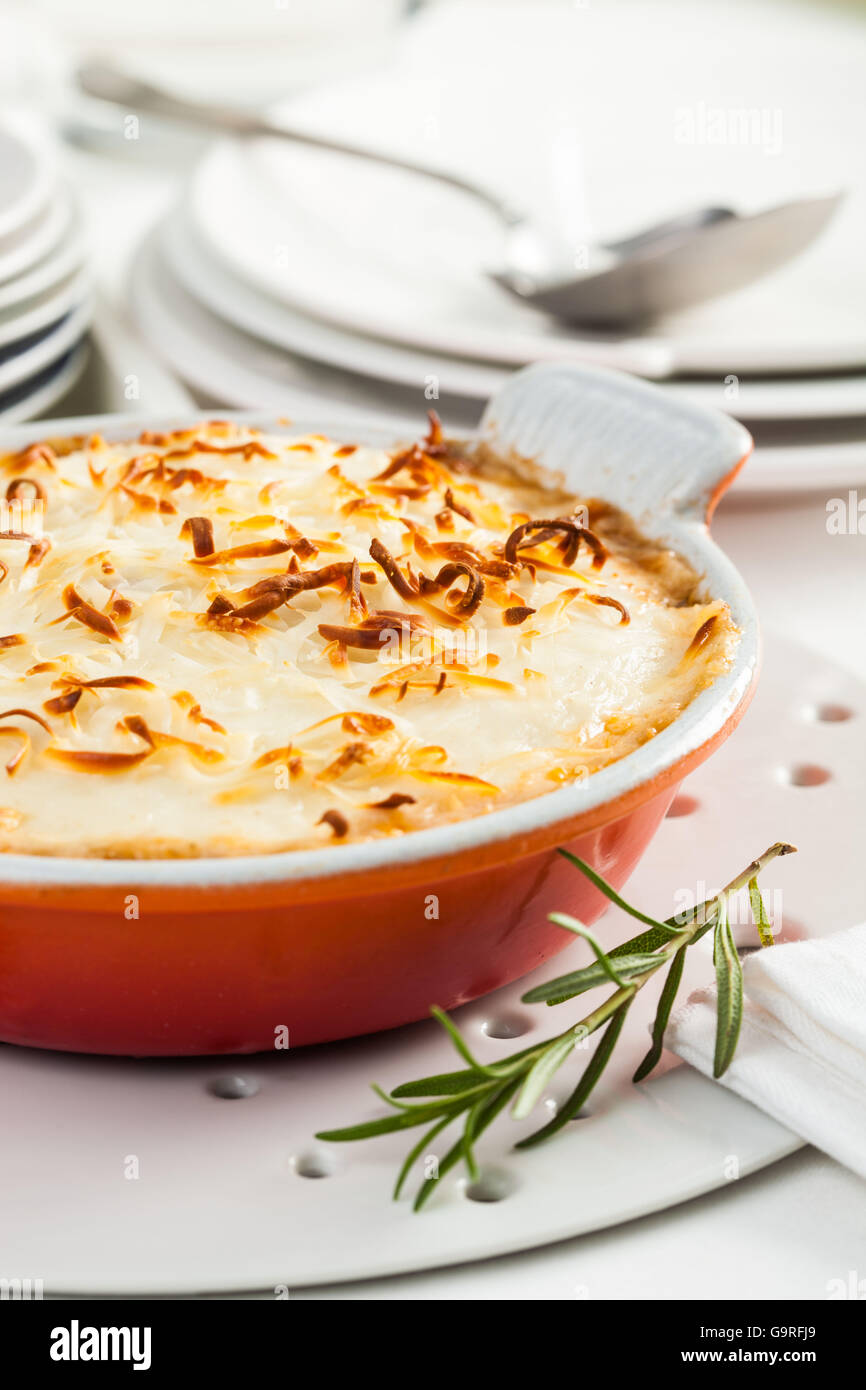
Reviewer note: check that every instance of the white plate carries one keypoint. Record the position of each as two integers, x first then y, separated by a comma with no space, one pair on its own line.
29,175
199,271
784,468
18,367
48,235
30,401
164,1188
243,305
43,310
231,368
636,130
780,398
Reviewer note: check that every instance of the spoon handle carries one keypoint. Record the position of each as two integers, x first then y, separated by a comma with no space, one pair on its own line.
101,79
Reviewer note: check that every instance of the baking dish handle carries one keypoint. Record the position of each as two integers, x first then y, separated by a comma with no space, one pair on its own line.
613,436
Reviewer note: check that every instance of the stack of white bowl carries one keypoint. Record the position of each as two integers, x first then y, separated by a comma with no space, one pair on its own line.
45,300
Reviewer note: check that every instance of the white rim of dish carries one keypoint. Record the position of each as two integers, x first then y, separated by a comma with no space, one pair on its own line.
699,722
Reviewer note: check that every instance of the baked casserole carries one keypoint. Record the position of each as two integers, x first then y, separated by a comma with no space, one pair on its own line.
218,641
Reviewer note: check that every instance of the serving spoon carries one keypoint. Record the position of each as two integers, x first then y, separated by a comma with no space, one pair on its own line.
670,265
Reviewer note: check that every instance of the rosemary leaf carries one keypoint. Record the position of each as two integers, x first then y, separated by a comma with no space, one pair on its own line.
647,942
547,1065
557,991
759,913
415,1153
460,1043
428,1186
729,986
388,1124
389,1100
469,1127
614,897
447,1083
452,1083
561,919
663,1013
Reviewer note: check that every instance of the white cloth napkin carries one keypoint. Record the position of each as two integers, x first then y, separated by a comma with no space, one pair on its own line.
801,1056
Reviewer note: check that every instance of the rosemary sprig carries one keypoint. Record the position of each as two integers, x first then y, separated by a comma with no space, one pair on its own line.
481,1092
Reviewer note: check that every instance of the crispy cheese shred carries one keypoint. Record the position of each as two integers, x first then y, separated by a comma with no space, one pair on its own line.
533,533
200,528
337,821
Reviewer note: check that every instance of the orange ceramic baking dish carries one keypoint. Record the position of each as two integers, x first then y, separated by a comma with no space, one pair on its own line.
173,957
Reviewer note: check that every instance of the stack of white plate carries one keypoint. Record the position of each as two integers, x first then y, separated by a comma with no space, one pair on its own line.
288,275
44,288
